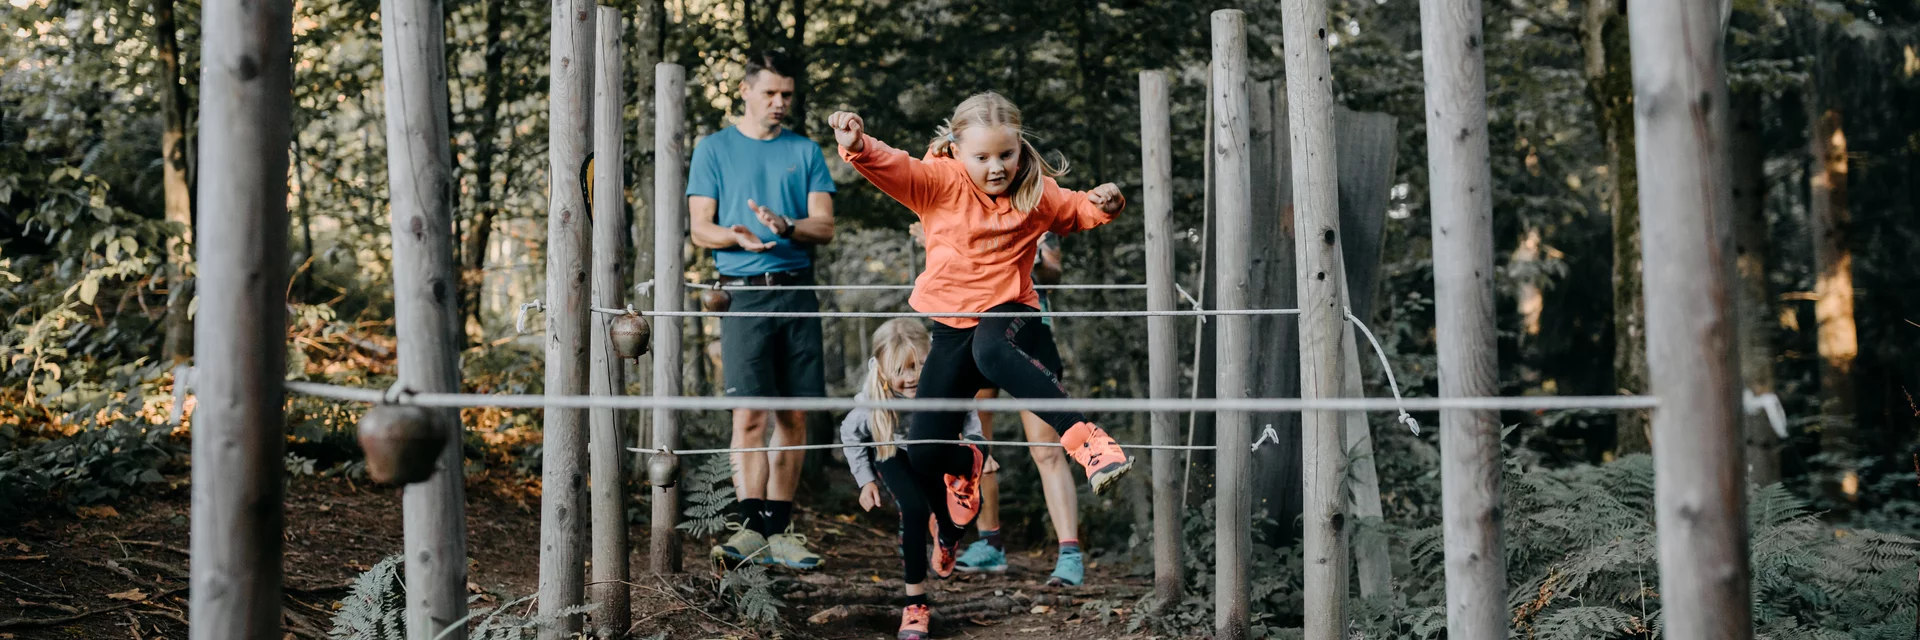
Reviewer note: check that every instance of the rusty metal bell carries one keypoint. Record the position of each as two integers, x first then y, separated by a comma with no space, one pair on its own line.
663,469
403,443
631,336
716,300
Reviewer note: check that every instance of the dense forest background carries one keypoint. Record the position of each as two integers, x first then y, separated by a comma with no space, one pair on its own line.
97,135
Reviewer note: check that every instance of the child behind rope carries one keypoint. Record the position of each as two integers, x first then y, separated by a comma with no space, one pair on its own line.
899,348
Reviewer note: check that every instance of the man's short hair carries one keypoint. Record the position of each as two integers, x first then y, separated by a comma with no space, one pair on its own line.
771,60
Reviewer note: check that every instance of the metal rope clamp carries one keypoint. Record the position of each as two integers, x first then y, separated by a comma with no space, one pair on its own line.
403,442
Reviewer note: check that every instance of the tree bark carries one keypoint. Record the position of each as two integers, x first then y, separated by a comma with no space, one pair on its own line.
474,255
1833,305
1699,481
1609,73
1757,313
797,47
1233,545
670,215
1163,376
607,481
179,190
648,17
563,454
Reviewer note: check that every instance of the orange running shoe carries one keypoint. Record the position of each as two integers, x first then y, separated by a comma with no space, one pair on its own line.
963,494
915,620
1095,450
944,555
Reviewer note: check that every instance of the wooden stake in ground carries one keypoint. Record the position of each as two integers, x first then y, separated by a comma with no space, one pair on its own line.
1462,191
1163,354
179,198
426,302
669,234
607,375
1233,500
563,451
1317,252
239,489
1679,80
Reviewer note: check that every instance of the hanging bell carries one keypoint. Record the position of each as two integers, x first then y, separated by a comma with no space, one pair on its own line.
663,469
631,335
403,443
716,300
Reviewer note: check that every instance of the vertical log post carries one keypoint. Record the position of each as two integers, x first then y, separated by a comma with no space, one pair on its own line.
1233,207
1463,286
238,447
669,265
607,480
1679,81
426,304
1317,254
563,450
1163,354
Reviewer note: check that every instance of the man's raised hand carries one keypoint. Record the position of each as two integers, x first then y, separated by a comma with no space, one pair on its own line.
847,129
774,221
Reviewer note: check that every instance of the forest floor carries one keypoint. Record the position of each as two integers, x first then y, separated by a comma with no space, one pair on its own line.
120,572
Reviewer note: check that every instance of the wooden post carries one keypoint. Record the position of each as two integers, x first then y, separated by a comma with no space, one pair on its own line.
1680,85
669,233
1367,144
1317,254
607,480
1163,354
239,488
1233,206
426,302
1462,191
563,451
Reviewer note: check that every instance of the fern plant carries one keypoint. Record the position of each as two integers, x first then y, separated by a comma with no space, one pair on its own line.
709,494
376,609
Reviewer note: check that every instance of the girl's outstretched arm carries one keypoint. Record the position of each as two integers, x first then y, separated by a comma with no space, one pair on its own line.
1075,211
907,179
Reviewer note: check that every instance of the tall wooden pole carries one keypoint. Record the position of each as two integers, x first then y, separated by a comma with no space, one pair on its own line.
1462,192
607,481
1317,258
1680,84
563,474
240,341
1163,353
1233,209
426,302
669,233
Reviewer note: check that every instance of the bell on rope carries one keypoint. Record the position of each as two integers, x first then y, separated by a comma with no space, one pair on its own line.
663,469
631,335
403,443
716,300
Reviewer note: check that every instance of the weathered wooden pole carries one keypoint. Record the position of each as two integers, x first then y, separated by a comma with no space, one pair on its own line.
1163,353
669,233
1462,191
607,480
240,339
563,452
1317,254
1233,210
426,302
1680,114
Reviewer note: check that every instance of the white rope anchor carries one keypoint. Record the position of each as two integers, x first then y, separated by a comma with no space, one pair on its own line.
1404,418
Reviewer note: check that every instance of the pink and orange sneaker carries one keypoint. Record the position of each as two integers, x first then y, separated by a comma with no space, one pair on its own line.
915,622
963,494
1098,453
944,555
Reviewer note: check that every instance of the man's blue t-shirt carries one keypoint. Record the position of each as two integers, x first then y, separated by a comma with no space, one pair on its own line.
777,174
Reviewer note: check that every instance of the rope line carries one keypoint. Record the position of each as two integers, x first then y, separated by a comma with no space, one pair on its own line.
892,287
520,322
842,445
1384,366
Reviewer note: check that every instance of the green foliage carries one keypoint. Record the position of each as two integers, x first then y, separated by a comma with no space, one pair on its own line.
108,443
376,608
709,494
749,589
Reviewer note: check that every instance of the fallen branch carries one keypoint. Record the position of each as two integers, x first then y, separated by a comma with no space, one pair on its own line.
36,623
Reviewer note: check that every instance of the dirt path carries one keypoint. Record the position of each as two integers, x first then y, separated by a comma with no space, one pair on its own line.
120,572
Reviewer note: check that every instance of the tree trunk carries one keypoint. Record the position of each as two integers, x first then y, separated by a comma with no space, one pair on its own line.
1833,307
1233,546
607,481
1757,314
473,275
1156,154
1609,73
648,17
563,454
179,193
797,47
670,95
1700,492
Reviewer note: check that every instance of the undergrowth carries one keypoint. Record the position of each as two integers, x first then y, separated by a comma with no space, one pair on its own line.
376,609
746,588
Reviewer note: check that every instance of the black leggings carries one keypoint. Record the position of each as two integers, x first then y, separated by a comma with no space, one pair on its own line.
915,496
997,353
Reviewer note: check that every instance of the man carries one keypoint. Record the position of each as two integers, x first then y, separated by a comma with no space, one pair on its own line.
760,197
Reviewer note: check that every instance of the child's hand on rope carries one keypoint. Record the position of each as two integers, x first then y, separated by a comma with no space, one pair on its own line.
847,129
869,496
1107,197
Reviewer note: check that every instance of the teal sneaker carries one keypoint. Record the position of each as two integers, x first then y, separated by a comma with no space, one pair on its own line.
982,557
1069,571
745,545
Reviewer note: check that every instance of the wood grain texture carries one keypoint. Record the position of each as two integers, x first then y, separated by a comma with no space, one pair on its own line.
1232,240
669,225
1163,350
607,435
1680,87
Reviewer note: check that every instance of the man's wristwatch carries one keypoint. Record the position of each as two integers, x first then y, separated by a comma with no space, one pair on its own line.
786,231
